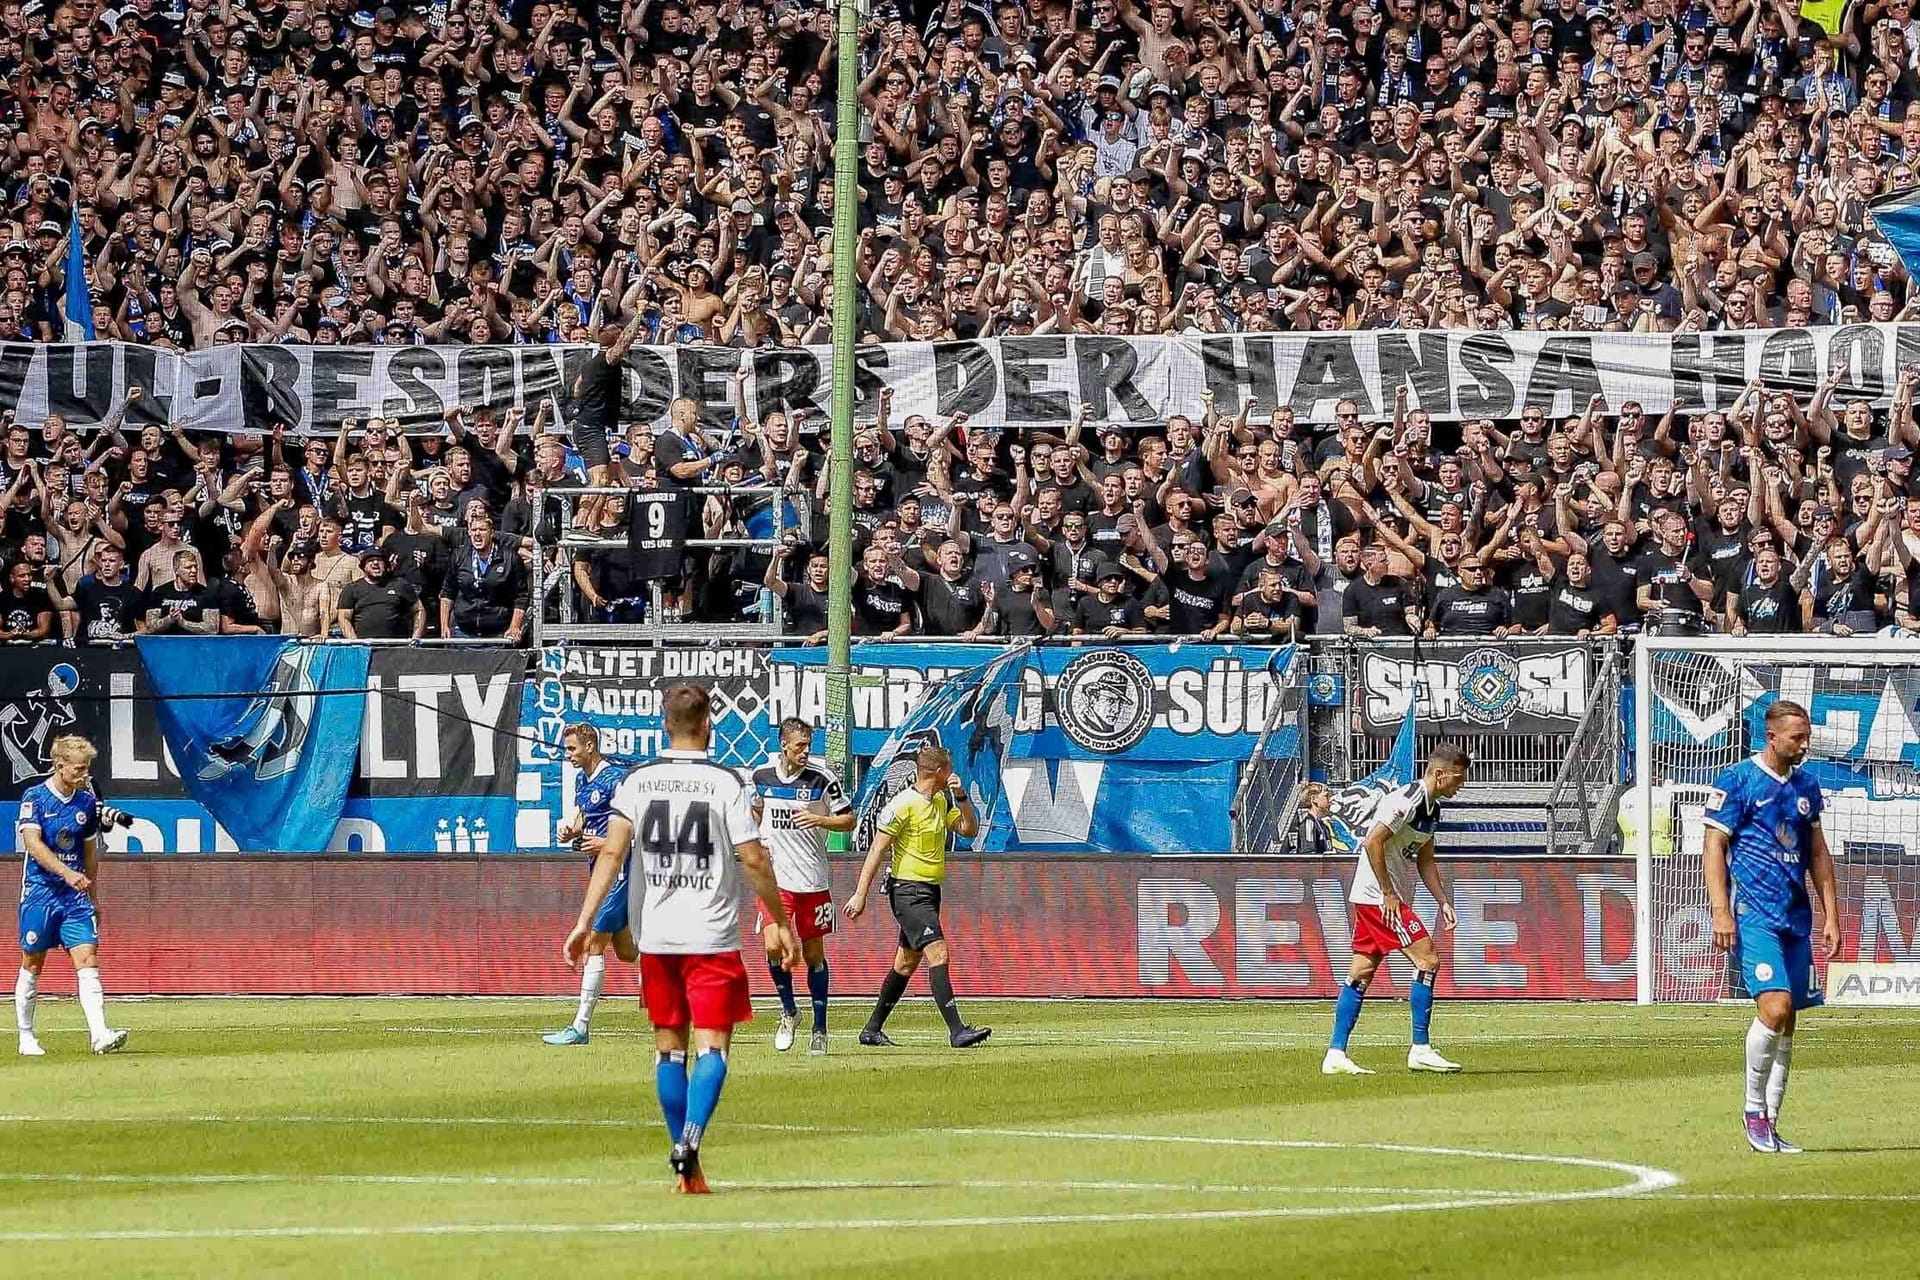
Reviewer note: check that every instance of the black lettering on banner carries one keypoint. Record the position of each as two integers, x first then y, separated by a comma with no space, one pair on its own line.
409,395
1488,391
1788,362
1864,350
1711,379
139,367
1329,370
93,398
1427,371
338,375
785,378
486,376
648,385
705,373
964,378
539,370
871,364
270,378
1107,368
16,359
1023,367
1231,364
1564,364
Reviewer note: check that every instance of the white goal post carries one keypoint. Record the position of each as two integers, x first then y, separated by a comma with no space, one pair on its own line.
1698,704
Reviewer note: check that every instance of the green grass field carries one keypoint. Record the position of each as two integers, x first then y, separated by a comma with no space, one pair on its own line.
433,1137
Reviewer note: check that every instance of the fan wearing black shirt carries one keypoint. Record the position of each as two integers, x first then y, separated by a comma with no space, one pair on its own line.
1669,576
1473,608
1769,604
1846,600
105,605
379,606
26,610
881,606
1199,593
951,601
1110,612
1616,570
183,605
807,598
1576,606
1375,604
1269,613
1020,609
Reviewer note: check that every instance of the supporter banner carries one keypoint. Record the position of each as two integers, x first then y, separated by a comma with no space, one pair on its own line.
1071,927
621,691
1099,734
972,715
436,769
268,730
1505,686
1008,382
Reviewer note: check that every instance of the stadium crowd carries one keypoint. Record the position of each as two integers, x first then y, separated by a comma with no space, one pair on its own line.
659,172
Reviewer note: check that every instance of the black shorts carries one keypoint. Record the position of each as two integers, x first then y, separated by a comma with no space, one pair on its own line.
916,905
590,442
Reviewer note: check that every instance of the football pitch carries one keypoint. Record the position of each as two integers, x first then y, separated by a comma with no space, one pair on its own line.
440,1137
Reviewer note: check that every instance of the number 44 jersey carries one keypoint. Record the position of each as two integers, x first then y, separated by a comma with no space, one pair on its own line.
689,815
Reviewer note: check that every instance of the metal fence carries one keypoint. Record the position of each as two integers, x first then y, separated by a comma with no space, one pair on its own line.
1584,803
555,611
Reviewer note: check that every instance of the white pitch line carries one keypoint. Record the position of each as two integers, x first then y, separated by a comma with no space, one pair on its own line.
1841,1197
1645,1180
790,1184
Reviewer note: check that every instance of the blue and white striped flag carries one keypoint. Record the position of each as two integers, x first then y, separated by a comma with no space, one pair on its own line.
79,298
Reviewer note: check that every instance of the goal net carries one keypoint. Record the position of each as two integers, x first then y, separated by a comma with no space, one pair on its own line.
1700,707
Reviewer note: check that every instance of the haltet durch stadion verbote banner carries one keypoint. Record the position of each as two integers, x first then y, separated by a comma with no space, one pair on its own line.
1008,382
441,872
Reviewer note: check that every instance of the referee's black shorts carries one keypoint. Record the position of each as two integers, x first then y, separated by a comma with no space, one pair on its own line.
916,905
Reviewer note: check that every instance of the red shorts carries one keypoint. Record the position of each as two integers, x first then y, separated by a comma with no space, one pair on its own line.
811,913
710,991
1375,935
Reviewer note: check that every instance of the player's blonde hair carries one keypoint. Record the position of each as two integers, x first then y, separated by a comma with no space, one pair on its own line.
73,747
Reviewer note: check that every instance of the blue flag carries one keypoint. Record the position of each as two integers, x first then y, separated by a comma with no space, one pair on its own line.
79,298
1898,218
973,715
1353,804
265,731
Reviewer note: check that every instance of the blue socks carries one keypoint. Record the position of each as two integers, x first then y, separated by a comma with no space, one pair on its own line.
703,1094
670,1083
1420,996
817,991
783,983
1346,1013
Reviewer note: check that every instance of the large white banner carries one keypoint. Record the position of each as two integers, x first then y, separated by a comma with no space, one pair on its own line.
1008,382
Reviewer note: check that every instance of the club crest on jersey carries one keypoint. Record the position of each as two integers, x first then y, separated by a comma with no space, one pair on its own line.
1803,805
1104,701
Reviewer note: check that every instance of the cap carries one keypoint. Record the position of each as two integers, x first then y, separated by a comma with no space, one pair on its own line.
1106,570
1643,259
1335,33
741,205
1543,24
384,14
1110,82
176,78
472,122
1237,496
90,122
48,228
1020,558
1899,453
363,20
1160,91
373,553
1126,524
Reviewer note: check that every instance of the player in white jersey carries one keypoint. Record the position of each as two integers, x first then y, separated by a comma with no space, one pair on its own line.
1398,831
797,800
689,825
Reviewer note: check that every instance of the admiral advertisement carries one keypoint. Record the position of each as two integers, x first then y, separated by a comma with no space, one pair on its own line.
1112,749
621,691
1512,687
435,770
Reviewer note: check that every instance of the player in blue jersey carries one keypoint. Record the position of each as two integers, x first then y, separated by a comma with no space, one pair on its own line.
1763,839
598,778
58,828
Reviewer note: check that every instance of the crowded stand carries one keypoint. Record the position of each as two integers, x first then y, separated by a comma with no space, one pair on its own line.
655,173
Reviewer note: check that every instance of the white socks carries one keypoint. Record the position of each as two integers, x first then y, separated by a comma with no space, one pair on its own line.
1777,1078
93,1002
26,986
591,978
1763,1045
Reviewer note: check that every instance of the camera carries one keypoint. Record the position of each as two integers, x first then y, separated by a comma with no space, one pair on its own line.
112,817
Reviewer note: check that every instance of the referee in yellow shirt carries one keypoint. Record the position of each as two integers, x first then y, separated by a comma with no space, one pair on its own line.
916,827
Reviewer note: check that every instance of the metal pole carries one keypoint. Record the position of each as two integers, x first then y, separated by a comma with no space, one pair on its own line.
846,231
